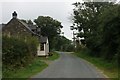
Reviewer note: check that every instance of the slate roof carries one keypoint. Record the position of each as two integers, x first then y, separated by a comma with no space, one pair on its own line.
32,26
43,39
26,26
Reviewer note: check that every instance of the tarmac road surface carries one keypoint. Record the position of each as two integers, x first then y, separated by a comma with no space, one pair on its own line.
69,66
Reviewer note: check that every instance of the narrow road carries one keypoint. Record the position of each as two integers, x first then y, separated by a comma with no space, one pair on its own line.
69,66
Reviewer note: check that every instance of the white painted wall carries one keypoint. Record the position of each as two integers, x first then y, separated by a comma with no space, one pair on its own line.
40,53
47,47
46,50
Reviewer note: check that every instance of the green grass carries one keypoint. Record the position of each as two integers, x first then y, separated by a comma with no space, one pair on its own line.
53,57
35,67
26,72
109,69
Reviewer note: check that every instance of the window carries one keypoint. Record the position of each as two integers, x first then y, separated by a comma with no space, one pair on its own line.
42,46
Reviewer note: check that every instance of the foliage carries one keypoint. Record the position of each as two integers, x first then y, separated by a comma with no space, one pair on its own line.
49,27
70,47
108,68
110,31
54,56
52,29
17,52
61,43
98,23
36,66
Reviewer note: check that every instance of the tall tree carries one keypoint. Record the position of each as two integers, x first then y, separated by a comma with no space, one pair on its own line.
99,24
86,21
109,23
63,44
49,27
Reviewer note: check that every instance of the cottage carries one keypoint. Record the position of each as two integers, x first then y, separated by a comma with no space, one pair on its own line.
44,46
16,27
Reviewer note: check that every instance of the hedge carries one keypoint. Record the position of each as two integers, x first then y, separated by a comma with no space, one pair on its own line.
18,52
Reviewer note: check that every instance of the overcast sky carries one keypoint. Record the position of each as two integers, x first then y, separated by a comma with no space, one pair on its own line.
60,10
31,9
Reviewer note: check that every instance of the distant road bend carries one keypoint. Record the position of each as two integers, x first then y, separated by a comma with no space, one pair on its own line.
69,66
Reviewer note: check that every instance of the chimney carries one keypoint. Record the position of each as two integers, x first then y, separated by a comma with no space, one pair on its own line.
14,14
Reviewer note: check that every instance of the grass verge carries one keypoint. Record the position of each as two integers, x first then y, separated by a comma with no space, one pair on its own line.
109,69
26,72
51,58
36,66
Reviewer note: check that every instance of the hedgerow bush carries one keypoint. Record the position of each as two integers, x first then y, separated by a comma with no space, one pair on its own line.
18,52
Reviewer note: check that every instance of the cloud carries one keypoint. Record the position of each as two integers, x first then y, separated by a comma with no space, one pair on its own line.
39,0
31,10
